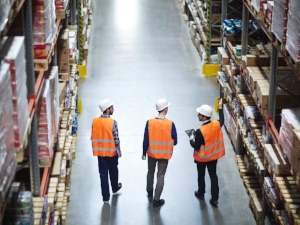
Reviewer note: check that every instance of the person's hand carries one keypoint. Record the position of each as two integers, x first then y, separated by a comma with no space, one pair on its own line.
221,103
143,157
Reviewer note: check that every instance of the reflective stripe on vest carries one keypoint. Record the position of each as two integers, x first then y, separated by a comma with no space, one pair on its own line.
160,140
103,143
214,144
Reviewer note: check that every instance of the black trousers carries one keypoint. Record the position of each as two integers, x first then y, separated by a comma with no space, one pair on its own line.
212,171
108,165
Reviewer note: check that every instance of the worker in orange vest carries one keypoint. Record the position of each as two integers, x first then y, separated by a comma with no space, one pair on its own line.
106,146
208,147
159,139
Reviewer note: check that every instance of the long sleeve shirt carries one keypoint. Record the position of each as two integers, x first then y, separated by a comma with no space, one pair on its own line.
199,139
146,136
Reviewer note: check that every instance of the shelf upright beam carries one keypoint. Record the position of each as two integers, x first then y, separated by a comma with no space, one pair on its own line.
273,83
73,12
208,31
224,10
33,137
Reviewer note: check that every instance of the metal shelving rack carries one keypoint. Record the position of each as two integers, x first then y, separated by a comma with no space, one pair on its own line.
272,134
38,184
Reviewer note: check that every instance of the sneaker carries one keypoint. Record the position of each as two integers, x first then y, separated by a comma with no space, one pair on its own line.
150,194
198,195
214,202
119,187
105,202
158,203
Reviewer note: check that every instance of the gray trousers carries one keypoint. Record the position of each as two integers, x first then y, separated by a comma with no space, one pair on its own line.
161,171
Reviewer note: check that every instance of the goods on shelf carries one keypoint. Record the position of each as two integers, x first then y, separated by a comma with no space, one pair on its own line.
290,120
13,52
73,44
8,161
268,11
44,28
40,208
232,26
258,4
61,5
45,137
275,160
53,78
5,6
20,206
279,19
63,53
293,30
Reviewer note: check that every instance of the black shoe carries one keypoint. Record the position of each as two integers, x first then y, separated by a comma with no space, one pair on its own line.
214,202
158,203
150,194
200,196
119,187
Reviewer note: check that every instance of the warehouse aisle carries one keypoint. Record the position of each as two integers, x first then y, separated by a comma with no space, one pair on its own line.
141,51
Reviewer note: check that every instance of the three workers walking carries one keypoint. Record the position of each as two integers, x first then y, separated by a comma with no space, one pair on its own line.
160,137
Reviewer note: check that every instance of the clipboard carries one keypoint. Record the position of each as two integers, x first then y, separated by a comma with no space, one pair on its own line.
190,132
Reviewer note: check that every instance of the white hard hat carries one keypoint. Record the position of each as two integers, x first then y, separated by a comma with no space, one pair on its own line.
161,104
105,104
205,110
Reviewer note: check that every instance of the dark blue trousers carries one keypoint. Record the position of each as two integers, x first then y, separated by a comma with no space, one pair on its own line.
108,164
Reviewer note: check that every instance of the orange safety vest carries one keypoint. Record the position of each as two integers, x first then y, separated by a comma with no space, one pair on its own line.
214,144
160,140
103,142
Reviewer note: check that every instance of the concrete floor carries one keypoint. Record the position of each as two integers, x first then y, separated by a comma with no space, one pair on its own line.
141,51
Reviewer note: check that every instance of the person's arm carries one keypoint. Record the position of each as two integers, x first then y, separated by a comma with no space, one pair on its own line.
199,140
221,113
92,130
174,134
115,132
146,140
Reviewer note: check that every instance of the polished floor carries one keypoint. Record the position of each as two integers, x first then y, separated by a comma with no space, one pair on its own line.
141,51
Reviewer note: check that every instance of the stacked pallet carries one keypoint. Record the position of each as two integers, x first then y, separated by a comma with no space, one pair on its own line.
279,20
293,30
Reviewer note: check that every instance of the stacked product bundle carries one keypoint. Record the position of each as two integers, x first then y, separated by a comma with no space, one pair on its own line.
44,28
13,52
53,79
5,6
258,4
61,5
290,120
8,161
268,11
45,139
279,19
293,30
20,206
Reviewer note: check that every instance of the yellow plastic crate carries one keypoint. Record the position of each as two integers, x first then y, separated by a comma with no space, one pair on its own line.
210,69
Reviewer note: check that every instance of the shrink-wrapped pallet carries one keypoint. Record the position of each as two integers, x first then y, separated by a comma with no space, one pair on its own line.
293,30
275,160
279,19
53,79
45,137
258,4
290,119
13,52
5,6
7,152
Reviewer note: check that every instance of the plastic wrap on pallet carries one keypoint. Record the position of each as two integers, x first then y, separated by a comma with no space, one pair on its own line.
232,26
13,52
252,113
45,140
61,4
258,4
44,28
290,119
8,161
19,209
5,6
55,99
279,19
293,30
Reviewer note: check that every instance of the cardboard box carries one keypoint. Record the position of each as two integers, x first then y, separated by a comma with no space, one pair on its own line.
251,60
295,160
41,51
63,67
